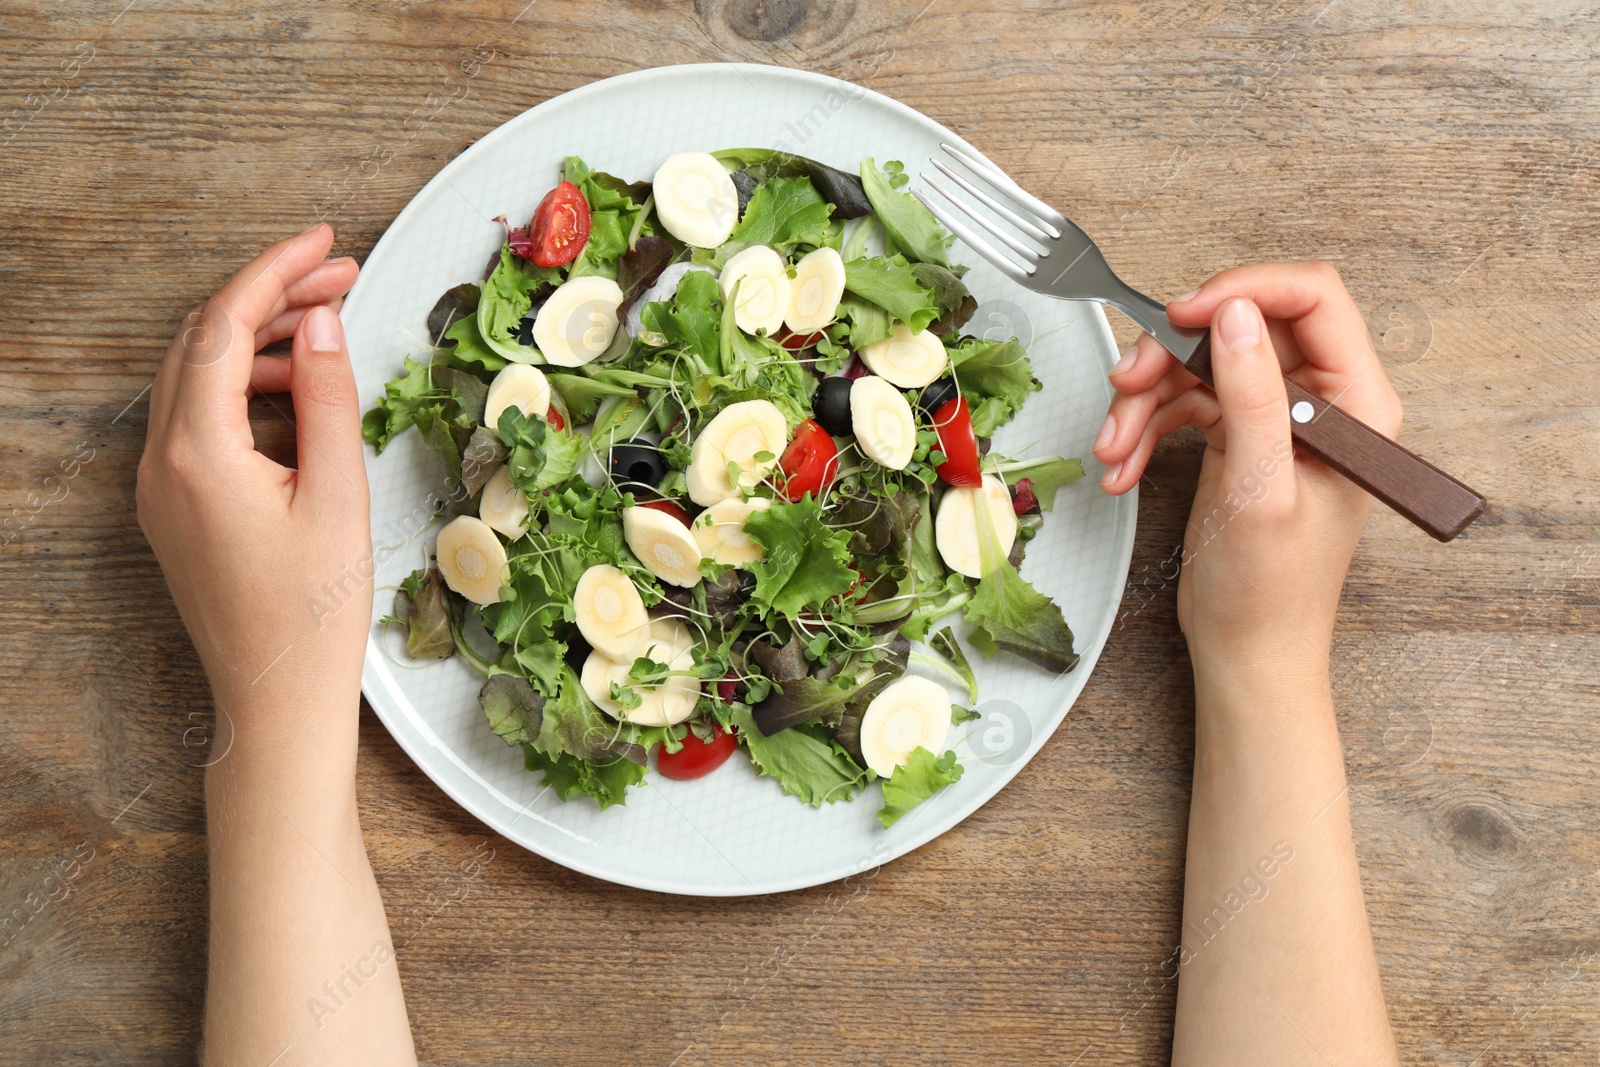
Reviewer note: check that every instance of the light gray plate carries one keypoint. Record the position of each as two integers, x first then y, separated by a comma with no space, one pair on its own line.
730,833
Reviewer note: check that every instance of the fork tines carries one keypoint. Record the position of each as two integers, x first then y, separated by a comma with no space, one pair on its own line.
1044,226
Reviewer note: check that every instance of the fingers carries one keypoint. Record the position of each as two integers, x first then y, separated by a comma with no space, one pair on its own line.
327,280
269,375
214,357
1193,407
1145,365
1250,390
1130,412
1326,325
327,413
285,324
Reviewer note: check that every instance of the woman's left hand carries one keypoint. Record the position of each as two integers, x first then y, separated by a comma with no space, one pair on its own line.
270,566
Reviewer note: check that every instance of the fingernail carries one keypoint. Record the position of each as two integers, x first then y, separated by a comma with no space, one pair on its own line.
1127,360
311,229
1111,474
1190,295
1108,433
323,332
1239,325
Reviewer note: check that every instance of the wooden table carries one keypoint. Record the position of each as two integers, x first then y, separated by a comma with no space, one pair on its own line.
1447,164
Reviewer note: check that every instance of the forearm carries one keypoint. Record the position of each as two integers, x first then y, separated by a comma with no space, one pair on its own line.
1277,963
301,958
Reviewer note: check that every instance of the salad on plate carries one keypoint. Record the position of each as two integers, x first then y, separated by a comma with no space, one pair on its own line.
719,476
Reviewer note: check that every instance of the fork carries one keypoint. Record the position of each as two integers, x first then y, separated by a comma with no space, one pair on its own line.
1409,484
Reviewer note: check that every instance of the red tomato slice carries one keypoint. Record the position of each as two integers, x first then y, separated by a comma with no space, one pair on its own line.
696,758
553,417
669,507
953,423
810,462
560,226
795,342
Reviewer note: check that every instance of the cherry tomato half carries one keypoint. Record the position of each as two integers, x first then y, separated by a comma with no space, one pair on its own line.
669,507
953,423
796,342
696,758
560,226
810,462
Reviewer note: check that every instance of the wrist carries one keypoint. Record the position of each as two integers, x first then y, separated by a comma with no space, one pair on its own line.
1277,683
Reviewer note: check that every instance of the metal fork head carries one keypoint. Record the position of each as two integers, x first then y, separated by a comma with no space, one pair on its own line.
1042,248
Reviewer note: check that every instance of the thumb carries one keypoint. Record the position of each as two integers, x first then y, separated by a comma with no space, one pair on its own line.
327,410
1255,405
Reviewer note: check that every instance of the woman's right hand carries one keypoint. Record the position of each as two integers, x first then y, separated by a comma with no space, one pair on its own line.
1271,534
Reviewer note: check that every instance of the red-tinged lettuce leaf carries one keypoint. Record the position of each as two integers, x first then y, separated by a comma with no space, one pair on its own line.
458,303
513,708
422,607
802,700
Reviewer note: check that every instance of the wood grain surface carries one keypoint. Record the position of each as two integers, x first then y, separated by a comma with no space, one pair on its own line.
1445,157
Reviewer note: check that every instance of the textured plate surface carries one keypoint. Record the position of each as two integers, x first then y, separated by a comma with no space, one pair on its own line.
730,833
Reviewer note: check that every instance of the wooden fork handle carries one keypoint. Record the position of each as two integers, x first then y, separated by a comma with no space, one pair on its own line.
1405,481
1409,484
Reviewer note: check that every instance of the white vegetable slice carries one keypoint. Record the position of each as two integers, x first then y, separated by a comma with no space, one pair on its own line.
578,322
664,705
737,434
673,644
719,530
956,532
610,612
885,428
520,386
909,714
695,199
503,507
909,360
764,290
815,292
663,544
472,560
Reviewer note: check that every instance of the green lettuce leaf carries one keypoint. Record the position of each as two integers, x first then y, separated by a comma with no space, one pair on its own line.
909,225
1008,613
1047,474
916,780
506,298
861,322
691,322
890,283
606,780
808,766
583,394
783,213
438,400
806,562
996,378
469,345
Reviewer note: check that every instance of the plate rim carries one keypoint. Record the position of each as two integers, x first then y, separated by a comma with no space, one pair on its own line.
416,745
